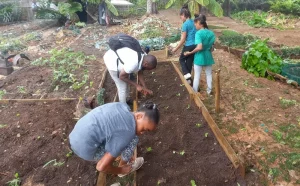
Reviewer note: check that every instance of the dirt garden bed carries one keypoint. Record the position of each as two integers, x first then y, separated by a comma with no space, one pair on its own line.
34,134
183,148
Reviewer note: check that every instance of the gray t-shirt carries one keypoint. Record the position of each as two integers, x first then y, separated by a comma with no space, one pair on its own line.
111,125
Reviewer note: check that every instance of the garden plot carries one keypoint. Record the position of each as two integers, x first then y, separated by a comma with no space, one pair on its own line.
34,144
260,118
183,148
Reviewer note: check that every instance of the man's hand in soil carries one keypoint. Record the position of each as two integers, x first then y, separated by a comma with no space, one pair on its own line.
146,91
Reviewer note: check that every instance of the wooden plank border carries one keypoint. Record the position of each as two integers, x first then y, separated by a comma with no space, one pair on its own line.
237,163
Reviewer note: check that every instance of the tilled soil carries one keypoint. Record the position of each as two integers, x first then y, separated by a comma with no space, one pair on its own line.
33,134
183,148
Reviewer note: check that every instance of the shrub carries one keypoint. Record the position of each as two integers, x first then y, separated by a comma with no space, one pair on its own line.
286,6
259,58
236,40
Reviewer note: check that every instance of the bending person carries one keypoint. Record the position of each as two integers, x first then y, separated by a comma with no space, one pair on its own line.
130,64
111,130
204,40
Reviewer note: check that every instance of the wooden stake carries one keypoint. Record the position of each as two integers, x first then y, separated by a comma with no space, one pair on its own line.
101,181
217,91
135,106
103,78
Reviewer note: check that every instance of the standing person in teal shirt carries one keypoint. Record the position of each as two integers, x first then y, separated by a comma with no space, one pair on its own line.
204,40
188,32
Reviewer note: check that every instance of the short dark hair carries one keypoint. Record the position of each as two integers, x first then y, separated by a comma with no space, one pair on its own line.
151,61
185,11
151,111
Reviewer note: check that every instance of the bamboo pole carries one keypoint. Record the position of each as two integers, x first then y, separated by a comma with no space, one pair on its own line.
135,151
32,100
217,91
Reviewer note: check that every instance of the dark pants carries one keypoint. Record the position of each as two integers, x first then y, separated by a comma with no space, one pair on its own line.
186,62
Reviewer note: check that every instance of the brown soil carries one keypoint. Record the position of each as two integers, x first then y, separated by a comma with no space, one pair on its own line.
38,83
203,161
33,134
110,89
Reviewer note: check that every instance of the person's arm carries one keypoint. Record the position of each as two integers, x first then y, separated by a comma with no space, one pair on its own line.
197,49
106,165
181,42
142,82
124,77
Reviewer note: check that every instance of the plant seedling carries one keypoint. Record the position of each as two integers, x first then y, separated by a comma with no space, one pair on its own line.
178,94
2,93
21,89
91,83
2,126
182,153
69,154
55,163
153,73
181,85
18,114
16,181
149,149
206,135
198,125
188,107
167,107
193,183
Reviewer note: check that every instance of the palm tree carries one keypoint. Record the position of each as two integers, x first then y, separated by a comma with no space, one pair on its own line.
195,6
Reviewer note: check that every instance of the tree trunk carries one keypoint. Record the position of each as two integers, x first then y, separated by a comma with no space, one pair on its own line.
227,8
149,6
152,7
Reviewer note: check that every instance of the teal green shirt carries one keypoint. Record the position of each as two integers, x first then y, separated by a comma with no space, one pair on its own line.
190,29
206,38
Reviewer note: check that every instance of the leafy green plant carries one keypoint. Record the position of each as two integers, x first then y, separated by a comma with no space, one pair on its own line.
285,103
182,153
16,181
193,5
100,96
278,135
149,149
193,183
69,154
10,45
65,63
236,40
2,93
32,36
206,135
259,58
110,6
21,89
287,52
55,163
198,125
69,9
3,126
286,6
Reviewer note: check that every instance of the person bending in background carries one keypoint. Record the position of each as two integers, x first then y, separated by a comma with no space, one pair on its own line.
111,130
204,40
188,31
